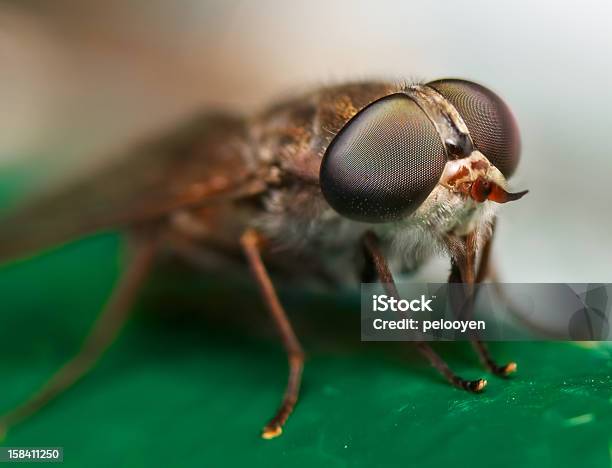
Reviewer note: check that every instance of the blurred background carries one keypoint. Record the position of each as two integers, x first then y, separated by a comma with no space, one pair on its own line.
80,79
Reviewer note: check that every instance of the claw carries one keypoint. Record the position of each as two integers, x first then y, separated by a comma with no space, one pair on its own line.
271,432
508,369
476,386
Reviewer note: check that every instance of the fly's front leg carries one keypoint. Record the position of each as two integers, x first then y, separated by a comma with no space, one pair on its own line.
464,270
372,249
252,243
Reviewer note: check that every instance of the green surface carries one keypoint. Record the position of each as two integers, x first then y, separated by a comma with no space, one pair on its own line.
198,371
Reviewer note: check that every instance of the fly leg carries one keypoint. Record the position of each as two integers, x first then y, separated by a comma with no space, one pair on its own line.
464,270
199,256
252,243
104,331
372,248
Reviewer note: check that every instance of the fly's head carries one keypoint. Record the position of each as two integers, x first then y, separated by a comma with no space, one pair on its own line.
447,146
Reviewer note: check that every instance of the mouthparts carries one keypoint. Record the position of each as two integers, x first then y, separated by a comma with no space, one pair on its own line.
483,189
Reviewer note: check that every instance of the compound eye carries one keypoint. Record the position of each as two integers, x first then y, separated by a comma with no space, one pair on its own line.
383,163
489,120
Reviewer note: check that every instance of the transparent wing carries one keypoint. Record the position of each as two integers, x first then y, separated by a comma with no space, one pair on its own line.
207,160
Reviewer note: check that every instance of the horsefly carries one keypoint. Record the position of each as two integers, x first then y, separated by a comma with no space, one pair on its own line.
334,183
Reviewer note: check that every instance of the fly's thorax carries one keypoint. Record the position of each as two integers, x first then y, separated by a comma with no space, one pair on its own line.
295,133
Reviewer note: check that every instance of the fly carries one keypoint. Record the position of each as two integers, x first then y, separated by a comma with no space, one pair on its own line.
392,172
